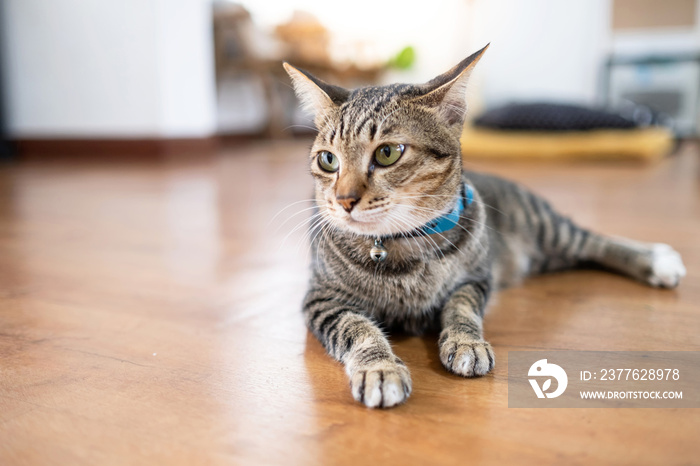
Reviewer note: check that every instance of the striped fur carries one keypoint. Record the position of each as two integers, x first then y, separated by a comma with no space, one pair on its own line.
438,282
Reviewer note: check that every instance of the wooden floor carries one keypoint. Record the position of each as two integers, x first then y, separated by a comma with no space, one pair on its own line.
150,314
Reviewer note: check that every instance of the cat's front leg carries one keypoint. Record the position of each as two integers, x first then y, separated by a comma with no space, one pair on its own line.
378,378
463,350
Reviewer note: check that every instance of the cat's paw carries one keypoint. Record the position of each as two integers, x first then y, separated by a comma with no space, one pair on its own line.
667,268
464,355
382,385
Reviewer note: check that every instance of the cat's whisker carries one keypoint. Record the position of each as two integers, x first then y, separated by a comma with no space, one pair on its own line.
300,126
409,238
443,237
325,231
395,222
441,212
318,222
451,243
426,195
457,224
298,226
422,196
316,240
438,213
302,223
287,207
324,217
325,227
430,210
294,215
409,221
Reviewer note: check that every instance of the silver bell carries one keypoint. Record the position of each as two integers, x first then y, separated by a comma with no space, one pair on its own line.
378,253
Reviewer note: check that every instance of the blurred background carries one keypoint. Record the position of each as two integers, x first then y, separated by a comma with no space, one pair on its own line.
146,72
155,223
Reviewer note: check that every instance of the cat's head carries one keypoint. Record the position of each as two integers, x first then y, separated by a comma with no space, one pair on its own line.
386,159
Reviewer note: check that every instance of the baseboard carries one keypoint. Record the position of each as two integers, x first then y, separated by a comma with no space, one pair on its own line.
141,148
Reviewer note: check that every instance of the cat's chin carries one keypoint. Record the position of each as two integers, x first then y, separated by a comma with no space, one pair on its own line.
372,229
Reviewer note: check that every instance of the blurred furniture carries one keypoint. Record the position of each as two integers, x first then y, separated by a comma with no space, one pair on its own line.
236,55
242,50
643,144
669,84
560,132
306,45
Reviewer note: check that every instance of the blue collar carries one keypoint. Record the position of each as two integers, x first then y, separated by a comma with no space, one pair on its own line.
439,225
451,219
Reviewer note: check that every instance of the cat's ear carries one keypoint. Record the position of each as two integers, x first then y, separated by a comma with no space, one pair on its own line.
316,96
448,92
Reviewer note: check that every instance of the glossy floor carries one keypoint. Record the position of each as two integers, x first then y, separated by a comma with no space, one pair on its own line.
150,314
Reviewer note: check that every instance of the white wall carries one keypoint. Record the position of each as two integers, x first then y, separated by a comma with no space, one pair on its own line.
185,59
145,67
114,68
541,49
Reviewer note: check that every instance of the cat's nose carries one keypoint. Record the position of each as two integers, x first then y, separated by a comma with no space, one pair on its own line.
348,202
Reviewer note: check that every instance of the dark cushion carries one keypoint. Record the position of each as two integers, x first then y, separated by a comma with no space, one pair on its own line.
550,117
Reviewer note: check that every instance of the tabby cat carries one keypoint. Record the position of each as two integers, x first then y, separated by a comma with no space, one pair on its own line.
405,239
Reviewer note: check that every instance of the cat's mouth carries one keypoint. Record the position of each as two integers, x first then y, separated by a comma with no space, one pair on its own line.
388,221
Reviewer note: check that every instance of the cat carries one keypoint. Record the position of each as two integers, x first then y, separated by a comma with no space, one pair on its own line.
404,239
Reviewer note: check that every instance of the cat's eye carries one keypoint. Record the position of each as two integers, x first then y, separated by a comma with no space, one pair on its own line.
328,161
388,154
